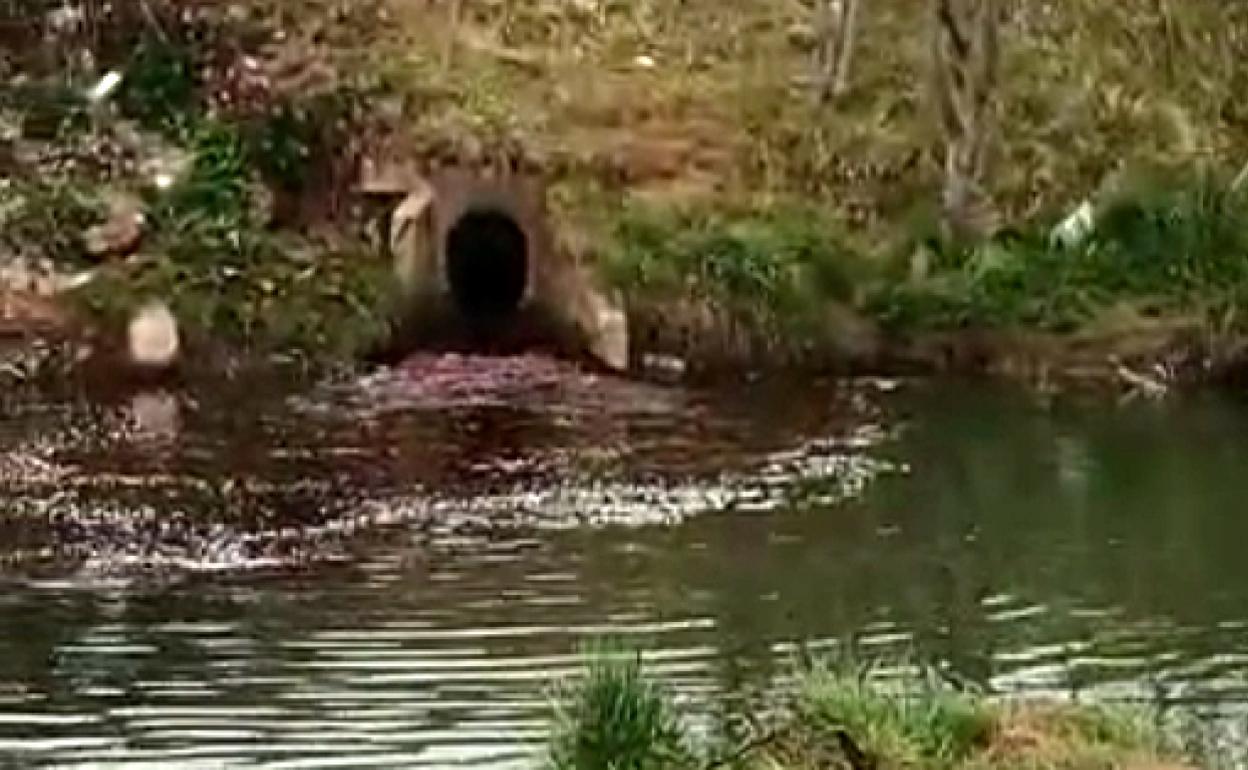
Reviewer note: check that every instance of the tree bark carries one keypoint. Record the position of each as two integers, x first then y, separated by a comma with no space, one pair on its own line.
455,12
837,31
966,65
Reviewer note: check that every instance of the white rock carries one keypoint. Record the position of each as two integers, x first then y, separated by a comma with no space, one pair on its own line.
608,329
665,365
153,336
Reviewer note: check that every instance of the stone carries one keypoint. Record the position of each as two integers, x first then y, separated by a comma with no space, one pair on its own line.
598,316
607,329
156,414
120,234
669,368
388,177
24,311
152,336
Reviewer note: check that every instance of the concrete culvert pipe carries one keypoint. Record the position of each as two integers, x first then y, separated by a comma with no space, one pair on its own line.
480,270
487,265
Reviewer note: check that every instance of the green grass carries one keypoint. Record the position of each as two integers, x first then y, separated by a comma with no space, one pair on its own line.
919,719
1173,246
212,248
614,718
769,265
45,219
843,715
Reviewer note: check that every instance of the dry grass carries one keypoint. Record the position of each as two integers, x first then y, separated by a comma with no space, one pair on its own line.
713,99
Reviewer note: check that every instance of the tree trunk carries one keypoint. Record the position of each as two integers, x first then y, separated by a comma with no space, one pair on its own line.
455,13
837,31
966,65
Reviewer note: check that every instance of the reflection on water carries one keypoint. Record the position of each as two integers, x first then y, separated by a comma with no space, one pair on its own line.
1076,549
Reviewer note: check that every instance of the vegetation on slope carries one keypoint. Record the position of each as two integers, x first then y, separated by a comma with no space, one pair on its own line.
687,144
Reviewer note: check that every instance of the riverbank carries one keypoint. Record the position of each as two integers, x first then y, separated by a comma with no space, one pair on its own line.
843,716
241,164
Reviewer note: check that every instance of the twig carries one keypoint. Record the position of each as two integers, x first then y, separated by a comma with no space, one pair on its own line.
857,758
154,21
1147,386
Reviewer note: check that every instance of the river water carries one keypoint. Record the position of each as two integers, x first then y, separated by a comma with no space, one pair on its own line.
392,571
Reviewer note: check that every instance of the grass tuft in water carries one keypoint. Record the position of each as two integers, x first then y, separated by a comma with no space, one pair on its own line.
848,716
614,718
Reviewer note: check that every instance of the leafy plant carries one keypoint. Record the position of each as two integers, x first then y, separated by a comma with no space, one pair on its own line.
1178,249
46,219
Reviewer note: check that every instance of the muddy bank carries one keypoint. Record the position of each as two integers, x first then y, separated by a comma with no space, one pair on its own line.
42,343
1141,356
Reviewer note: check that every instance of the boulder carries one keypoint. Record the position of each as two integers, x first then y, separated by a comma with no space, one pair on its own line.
152,339
120,234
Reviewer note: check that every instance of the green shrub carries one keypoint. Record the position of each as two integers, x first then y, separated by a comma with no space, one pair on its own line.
1177,249
771,265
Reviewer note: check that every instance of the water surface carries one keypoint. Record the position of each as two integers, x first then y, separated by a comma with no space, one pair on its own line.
392,573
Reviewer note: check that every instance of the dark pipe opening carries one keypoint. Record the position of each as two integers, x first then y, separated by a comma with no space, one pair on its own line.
487,259
487,265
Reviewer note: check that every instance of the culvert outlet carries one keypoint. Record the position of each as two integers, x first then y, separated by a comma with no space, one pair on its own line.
477,262
487,266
